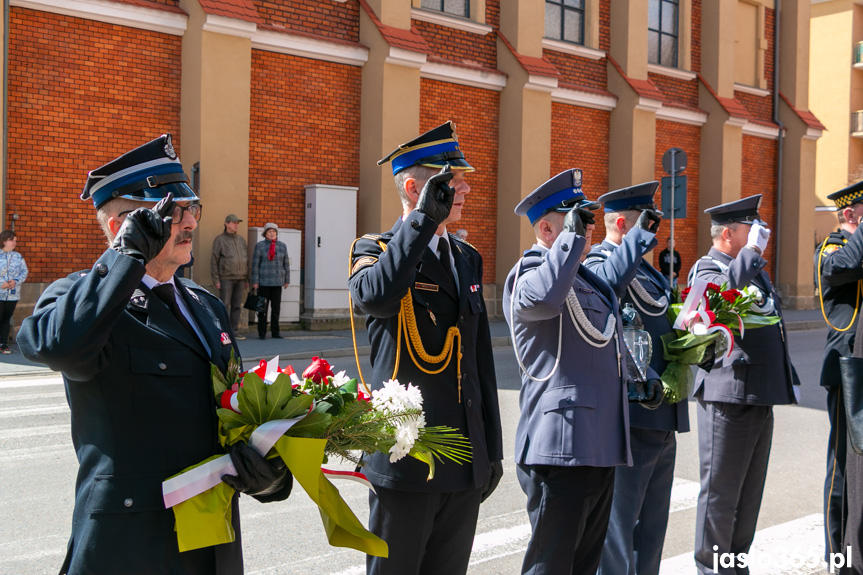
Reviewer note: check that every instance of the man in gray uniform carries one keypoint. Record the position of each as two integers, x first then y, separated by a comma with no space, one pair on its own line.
736,398
574,424
642,493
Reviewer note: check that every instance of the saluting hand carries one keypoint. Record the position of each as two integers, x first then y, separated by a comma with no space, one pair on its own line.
436,197
649,220
577,220
146,231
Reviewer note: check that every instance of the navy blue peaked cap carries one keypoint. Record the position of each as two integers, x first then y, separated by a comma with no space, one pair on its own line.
147,174
847,196
435,149
559,194
744,211
637,197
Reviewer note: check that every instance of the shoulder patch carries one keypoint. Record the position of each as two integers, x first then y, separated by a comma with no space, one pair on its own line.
830,248
362,262
374,237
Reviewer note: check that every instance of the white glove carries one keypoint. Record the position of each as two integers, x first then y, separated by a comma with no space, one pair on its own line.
759,235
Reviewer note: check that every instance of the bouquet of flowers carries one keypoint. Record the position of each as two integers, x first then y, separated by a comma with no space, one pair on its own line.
304,421
705,317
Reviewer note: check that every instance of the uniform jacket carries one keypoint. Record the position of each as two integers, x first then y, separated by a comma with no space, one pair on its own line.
580,415
266,272
841,272
759,370
12,267
378,282
139,388
619,266
230,259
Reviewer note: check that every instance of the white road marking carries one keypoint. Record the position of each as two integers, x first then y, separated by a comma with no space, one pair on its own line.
9,412
793,547
12,383
22,432
43,452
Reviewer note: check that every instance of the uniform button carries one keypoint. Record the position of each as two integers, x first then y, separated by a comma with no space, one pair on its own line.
461,319
128,502
163,367
101,269
642,242
565,247
468,403
415,224
461,349
569,400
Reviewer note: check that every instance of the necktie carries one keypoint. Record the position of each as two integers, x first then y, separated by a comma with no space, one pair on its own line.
443,248
166,293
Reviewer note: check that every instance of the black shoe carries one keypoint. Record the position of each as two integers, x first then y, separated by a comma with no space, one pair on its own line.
277,336
262,336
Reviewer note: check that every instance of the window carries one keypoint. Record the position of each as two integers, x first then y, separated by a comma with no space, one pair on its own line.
564,20
663,32
746,43
455,7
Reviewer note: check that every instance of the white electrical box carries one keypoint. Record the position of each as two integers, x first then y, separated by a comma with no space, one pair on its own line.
331,224
290,310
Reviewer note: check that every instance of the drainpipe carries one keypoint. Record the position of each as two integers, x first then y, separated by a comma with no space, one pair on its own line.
777,121
5,112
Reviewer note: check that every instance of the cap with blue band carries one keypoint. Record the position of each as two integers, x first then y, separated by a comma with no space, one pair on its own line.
434,149
561,193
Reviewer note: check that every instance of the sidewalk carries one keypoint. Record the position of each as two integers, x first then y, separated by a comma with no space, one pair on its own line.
302,345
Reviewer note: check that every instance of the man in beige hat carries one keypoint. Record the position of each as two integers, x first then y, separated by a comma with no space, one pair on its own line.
229,267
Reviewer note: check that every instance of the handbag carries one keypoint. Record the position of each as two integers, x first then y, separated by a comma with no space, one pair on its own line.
852,393
255,302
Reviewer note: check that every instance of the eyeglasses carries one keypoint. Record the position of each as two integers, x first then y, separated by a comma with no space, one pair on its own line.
194,209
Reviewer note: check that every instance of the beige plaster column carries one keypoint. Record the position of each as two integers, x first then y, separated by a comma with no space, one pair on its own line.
632,130
797,195
524,158
717,45
390,111
214,121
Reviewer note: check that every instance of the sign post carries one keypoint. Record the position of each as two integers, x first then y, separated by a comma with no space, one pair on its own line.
673,162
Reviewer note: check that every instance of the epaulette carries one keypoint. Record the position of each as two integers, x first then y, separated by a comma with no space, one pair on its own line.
465,242
363,261
373,237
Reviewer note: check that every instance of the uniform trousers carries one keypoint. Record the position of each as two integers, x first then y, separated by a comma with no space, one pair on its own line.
274,302
639,511
834,482
733,449
568,509
427,533
231,294
854,521
7,309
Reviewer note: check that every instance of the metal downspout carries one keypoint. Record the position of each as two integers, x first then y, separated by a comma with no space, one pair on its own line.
778,234
5,158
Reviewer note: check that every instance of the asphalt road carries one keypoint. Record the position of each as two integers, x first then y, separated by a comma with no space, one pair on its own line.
37,472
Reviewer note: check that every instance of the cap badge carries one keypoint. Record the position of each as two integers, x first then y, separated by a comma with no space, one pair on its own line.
169,150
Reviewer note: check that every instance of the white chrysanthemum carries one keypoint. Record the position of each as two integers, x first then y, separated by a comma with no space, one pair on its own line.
340,379
413,397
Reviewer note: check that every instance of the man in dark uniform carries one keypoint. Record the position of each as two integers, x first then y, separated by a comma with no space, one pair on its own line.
135,344
736,397
574,425
642,493
421,288
839,277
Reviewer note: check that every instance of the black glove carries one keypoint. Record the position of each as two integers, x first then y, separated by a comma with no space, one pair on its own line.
577,220
709,358
436,197
146,231
649,393
649,220
496,474
255,475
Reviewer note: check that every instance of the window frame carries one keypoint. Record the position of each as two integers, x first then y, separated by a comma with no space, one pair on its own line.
467,8
585,12
678,37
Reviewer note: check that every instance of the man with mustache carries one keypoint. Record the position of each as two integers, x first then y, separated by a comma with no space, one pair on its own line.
420,279
134,343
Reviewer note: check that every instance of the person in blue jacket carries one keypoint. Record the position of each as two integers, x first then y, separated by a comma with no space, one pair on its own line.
421,290
13,272
642,493
135,344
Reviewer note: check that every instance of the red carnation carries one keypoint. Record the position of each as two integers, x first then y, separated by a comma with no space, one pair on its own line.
685,292
714,287
318,370
729,296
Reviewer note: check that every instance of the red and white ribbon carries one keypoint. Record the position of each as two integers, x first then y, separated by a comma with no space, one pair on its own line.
690,305
350,475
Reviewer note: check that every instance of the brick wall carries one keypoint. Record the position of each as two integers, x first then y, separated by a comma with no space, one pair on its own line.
334,20
579,71
475,112
696,36
677,91
759,177
458,45
579,139
668,135
305,131
80,94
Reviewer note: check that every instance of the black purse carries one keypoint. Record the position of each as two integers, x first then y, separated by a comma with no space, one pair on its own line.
852,393
255,302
